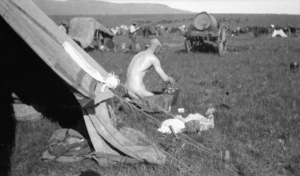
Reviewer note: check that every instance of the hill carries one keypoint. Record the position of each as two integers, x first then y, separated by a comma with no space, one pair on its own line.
93,7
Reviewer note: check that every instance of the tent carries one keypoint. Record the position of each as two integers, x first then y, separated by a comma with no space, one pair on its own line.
278,33
82,29
87,80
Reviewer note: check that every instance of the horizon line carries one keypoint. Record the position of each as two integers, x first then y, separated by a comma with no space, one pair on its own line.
187,14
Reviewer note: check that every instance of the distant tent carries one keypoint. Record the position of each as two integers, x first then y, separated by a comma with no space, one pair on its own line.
83,74
82,30
278,33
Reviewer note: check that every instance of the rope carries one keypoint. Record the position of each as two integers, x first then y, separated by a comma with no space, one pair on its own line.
168,113
197,145
203,147
168,154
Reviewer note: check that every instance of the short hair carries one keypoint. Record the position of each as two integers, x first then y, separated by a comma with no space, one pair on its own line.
155,42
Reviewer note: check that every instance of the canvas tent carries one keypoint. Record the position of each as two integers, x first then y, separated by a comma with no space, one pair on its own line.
82,29
85,77
278,33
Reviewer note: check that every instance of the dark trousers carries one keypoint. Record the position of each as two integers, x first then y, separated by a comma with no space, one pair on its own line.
132,37
133,44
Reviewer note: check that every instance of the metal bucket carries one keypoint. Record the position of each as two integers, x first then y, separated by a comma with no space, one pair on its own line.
204,21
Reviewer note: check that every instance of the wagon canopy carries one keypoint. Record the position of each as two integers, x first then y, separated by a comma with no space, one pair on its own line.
82,29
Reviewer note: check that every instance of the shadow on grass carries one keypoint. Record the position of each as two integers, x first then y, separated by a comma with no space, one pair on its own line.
26,75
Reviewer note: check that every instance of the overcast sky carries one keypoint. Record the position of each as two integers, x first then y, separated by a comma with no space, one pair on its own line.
228,6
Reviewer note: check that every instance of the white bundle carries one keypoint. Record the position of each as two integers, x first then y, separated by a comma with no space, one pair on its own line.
176,124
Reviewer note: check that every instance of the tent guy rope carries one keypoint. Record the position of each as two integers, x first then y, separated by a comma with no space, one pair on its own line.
192,142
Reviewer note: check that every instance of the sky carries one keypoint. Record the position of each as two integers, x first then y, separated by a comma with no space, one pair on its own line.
228,6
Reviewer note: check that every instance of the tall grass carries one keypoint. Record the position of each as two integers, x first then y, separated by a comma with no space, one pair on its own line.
257,118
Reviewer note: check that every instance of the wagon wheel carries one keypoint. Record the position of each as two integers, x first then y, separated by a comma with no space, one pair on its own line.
222,39
188,45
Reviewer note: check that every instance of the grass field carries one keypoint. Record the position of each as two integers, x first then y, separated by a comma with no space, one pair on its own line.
255,94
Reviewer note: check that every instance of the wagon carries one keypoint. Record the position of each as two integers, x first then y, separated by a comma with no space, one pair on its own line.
86,30
206,33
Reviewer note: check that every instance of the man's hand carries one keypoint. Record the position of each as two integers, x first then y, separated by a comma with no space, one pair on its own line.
170,80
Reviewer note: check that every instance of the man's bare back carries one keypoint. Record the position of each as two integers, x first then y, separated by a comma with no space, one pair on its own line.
138,68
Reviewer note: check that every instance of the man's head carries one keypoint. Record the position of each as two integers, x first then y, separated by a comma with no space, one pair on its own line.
155,45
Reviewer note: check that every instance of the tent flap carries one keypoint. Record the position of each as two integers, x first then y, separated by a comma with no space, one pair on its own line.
99,119
44,37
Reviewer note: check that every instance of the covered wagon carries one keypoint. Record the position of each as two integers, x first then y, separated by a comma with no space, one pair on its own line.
203,31
88,32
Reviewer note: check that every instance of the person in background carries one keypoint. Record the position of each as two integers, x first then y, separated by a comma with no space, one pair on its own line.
109,44
132,35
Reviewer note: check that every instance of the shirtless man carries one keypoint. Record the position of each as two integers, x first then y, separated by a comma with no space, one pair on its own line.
138,68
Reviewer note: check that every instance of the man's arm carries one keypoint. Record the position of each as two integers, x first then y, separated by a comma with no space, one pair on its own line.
133,29
160,71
